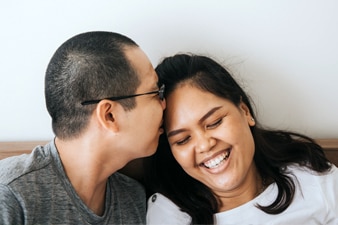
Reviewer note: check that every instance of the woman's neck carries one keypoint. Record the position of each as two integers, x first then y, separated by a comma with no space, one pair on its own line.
252,186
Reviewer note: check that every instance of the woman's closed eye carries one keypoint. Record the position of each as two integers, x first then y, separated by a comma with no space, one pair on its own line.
183,141
215,124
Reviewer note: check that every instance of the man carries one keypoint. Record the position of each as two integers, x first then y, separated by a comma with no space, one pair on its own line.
106,107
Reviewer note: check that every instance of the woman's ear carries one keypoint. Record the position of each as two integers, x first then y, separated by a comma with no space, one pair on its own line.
106,113
245,109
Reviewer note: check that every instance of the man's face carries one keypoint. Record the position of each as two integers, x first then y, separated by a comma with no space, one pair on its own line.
145,120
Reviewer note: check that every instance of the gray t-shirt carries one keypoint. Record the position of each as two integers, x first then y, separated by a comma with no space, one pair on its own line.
34,189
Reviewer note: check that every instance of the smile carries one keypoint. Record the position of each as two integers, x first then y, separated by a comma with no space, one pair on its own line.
217,161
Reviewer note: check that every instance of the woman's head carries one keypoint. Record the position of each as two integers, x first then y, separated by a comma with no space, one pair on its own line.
203,73
208,123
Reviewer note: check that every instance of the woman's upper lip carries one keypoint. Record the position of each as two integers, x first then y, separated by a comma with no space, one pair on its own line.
213,156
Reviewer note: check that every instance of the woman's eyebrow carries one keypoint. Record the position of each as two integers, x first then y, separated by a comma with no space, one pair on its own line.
209,113
212,111
174,132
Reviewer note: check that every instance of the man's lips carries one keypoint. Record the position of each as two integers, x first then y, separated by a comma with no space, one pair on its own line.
161,128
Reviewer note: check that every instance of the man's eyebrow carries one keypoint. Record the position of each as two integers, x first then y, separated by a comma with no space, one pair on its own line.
209,113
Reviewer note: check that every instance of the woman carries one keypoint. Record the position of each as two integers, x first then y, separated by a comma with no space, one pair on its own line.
216,165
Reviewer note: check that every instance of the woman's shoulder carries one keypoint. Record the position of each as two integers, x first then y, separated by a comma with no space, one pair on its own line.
161,210
325,183
302,171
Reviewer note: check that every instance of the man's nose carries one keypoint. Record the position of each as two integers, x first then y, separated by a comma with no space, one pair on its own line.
163,104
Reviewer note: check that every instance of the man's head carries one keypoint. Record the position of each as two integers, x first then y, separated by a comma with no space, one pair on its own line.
94,66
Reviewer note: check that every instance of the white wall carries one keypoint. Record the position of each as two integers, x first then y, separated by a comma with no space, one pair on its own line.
285,52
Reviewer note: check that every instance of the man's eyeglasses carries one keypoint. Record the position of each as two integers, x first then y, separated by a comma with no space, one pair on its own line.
160,93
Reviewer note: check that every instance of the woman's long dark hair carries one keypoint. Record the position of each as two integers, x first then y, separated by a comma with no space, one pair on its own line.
274,150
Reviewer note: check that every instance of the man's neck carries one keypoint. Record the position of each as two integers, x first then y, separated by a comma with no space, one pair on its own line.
86,170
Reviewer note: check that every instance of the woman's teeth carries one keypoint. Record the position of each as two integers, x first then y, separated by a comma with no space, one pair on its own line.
213,163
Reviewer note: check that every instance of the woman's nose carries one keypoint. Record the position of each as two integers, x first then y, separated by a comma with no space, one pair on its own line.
205,143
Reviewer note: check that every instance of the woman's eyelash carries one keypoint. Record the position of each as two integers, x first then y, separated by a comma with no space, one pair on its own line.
218,122
210,126
182,142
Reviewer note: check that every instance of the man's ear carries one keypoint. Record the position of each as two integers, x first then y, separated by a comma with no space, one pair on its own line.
106,113
245,109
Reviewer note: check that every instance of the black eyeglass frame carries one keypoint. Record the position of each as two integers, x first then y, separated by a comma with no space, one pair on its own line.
160,93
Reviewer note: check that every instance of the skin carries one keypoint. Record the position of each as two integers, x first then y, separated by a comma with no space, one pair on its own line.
203,128
114,137
144,121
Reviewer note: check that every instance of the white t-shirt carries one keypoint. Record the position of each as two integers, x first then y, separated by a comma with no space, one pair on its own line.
315,202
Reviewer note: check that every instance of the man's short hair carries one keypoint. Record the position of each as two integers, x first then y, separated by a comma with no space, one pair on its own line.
90,65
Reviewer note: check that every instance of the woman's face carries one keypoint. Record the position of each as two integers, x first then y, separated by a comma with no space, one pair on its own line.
210,138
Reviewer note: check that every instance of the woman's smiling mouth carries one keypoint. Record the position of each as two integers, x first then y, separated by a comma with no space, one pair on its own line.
217,161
